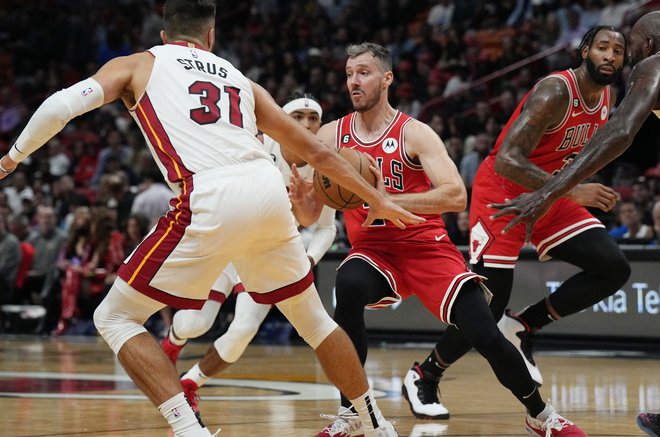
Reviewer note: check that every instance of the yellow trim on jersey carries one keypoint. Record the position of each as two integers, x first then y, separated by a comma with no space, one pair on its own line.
183,191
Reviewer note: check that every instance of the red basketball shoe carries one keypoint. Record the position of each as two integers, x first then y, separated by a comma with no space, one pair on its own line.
553,426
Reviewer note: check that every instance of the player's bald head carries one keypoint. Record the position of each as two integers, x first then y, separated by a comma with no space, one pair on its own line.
645,37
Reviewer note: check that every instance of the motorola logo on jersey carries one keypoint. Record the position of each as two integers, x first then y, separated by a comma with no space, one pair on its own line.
390,145
345,139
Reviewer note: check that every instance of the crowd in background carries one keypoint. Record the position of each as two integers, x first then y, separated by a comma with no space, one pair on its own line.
72,212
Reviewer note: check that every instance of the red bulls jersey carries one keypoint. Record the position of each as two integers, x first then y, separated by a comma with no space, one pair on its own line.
559,145
400,174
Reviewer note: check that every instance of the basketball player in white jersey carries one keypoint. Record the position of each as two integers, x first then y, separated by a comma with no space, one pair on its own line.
199,118
248,314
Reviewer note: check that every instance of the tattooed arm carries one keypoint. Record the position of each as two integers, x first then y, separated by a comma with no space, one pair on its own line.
545,108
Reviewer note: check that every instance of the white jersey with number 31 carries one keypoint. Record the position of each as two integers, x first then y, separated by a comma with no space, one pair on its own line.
197,112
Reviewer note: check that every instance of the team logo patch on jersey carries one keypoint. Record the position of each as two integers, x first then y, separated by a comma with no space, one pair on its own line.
345,139
603,113
390,145
194,54
480,239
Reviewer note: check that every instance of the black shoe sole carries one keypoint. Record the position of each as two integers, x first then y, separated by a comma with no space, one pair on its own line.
418,415
646,429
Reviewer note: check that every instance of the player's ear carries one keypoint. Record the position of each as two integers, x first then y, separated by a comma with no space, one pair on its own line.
210,38
585,52
388,78
163,36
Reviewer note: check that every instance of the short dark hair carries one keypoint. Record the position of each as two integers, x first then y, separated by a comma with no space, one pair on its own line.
588,40
300,95
188,17
379,52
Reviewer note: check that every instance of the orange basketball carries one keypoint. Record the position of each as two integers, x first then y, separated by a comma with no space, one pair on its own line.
334,195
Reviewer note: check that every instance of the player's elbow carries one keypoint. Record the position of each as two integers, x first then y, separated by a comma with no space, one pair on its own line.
504,163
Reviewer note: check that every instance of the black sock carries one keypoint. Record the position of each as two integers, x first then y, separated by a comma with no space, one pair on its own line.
533,402
536,316
431,365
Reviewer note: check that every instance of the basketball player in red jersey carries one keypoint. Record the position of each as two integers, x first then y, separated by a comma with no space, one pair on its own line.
642,98
386,264
198,115
546,131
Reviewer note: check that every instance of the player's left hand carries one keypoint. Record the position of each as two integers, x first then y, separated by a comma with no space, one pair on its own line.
388,210
527,208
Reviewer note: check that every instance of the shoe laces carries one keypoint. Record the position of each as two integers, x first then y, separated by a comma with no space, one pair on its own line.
555,422
341,424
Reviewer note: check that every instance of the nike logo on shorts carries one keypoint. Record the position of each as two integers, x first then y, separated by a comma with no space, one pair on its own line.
439,237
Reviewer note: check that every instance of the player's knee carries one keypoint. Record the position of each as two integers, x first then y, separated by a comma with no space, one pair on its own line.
308,316
231,345
191,324
611,269
488,342
115,327
618,270
351,289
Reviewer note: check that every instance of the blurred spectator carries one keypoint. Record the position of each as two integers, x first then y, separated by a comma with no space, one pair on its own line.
471,161
641,195
18,191
92,255
65,199
135,229
407,103
440,14
47,241
114,194
630,216
460,234
656,222
10,260
58,161
115,150
571,28
153,200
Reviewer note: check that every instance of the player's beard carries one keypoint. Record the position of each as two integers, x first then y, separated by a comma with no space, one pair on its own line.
366,103
598,77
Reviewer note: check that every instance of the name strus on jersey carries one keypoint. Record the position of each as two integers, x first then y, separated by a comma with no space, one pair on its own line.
204,67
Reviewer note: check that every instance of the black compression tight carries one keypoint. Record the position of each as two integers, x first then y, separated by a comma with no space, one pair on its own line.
605,270
357,285
453,345
476,323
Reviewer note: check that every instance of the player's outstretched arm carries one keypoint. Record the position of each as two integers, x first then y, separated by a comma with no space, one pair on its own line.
108,84
605,145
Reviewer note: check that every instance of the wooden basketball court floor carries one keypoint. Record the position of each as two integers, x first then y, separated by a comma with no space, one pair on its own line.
75,387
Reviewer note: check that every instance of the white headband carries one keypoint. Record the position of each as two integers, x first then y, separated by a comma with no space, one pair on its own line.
302,103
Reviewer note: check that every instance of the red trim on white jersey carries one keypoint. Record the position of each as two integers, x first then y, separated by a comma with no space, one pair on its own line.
282,293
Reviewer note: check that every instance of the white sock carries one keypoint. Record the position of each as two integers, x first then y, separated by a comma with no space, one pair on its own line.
196,375
180,416
368,411
545,413
175,340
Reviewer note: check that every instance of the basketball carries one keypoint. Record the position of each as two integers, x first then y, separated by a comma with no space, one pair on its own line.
334,195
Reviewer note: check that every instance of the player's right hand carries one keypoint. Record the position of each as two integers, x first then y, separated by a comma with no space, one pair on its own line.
594,195
8,165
